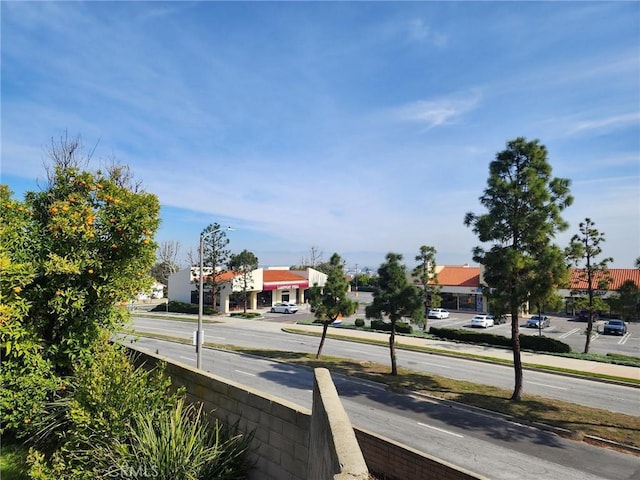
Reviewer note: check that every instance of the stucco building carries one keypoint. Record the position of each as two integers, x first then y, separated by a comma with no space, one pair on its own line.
462,286
266,286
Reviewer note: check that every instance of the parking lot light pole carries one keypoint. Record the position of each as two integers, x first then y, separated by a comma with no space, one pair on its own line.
200,332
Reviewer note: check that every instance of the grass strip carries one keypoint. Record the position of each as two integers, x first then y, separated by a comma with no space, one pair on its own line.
472,356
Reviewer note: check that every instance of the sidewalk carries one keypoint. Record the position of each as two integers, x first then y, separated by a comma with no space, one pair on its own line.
528,358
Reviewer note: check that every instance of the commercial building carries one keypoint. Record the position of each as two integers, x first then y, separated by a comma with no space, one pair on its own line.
265,286
461,286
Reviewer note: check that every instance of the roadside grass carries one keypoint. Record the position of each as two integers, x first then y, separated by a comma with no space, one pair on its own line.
573,420
13,461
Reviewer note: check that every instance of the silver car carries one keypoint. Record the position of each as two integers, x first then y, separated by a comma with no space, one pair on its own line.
538,321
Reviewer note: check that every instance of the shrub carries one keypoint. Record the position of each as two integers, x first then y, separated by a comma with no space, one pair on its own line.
95,408
543,344
401,327
359,322
529,342
181,307
178,443
245,315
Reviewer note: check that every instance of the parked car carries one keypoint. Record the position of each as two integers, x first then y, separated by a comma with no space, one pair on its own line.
284,308
615,327
438,313
538,321
483,321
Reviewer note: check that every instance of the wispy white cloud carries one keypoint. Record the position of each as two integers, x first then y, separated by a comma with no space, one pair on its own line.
323,123
440,111
606,123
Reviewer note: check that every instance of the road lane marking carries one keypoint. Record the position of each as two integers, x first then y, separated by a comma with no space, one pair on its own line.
436,365
246,373
548,386
146,329
440,430
191,359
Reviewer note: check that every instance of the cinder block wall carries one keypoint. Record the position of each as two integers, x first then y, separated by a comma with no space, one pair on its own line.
281,428
335,452
282,431
399,462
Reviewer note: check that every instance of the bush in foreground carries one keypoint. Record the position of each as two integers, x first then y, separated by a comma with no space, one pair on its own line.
113,417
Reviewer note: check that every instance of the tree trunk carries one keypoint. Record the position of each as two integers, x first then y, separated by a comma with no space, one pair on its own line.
392,349
587,342
325,326
517,361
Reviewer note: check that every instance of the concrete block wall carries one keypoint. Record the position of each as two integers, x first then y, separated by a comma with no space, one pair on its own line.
399,462
282,431
335,452
281,441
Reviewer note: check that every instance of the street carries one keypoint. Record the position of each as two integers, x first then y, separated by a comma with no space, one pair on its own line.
481,442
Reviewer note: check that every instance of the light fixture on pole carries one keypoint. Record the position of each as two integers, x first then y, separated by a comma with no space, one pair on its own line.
199,336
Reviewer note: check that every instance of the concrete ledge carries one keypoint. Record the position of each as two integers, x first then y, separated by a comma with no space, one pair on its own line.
335,450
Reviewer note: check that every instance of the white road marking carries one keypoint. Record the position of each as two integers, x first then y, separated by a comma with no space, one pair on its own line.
548,386
436,365
146,329
624,338
246,373
570,332
440,430
191,359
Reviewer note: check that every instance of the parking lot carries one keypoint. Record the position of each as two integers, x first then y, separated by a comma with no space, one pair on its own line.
567,330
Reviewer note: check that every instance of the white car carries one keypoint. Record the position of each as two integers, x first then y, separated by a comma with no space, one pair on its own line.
483,321
284,308
439,313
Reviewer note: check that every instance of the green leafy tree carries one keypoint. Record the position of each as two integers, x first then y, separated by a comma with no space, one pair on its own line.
425,276
216,254
395,298
523,203
69,255
553,273
331,301
626,301
583,250
243,264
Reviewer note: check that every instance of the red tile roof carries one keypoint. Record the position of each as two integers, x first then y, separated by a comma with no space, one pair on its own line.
459,276
220,277
618,277
281,276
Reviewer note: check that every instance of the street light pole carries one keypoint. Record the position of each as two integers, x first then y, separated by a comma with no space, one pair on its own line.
200,301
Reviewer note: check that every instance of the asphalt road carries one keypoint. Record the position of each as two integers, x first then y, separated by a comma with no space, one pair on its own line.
267,334
483,443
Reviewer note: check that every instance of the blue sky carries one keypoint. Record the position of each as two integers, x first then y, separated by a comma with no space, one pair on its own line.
354,127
